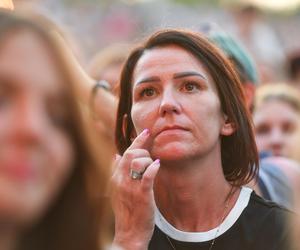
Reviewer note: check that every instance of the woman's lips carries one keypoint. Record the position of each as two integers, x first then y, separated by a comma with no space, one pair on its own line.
18,170
172,130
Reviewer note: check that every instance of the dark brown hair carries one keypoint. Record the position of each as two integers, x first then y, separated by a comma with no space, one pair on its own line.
239,152
73,219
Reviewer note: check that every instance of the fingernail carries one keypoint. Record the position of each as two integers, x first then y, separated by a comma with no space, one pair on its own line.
157,161
145,131
117,156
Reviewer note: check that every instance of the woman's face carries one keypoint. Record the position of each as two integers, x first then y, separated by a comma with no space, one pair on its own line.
111,74
176,99
35,151
276,124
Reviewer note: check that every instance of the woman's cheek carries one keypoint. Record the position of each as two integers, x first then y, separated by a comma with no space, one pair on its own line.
63,158
143,116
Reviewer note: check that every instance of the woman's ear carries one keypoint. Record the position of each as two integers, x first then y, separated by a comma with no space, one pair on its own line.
228,127
124,129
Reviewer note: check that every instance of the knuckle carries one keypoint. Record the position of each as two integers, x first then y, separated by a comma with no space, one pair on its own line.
115,181
145,152
136,163
129,154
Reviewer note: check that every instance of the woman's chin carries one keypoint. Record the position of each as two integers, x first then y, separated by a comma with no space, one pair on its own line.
170,153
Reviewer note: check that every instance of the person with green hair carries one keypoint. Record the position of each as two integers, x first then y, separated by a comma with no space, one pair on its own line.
239,57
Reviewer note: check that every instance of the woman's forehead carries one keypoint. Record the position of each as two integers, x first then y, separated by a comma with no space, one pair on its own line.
159,54
25,57
159,60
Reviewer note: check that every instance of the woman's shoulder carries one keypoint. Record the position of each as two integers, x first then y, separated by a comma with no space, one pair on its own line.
261,206
260,214
265,216
265,224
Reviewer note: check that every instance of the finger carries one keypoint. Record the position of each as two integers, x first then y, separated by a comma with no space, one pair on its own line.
150,174
141,141
129,156
140,164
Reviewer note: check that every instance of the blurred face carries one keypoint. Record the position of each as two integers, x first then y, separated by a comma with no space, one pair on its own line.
276,124
175,98
35,151
111,74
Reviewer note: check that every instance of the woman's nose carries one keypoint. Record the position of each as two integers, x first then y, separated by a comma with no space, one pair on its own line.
170,104
29,125
276,137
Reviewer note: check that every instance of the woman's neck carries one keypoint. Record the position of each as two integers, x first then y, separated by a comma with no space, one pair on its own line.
8,236
192,198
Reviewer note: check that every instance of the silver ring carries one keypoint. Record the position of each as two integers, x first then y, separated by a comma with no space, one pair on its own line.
135,175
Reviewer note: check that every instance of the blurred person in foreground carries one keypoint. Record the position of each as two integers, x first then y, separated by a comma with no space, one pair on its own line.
97,101
273,183
49,165
97,98
187,150
107,65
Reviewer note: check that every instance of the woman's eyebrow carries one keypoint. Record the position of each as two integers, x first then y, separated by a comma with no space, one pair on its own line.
188,73
149,79
175,76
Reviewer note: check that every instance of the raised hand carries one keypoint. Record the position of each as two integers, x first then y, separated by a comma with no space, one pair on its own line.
133,197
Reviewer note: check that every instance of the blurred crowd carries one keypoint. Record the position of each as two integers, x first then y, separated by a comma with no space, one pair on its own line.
60,70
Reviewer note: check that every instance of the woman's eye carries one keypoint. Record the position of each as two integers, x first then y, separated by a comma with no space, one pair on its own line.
58,115
190,86
289,127
59,119
148,92
262,129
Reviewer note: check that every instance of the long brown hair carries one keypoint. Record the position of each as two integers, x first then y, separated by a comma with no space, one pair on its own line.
73,219
239,153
